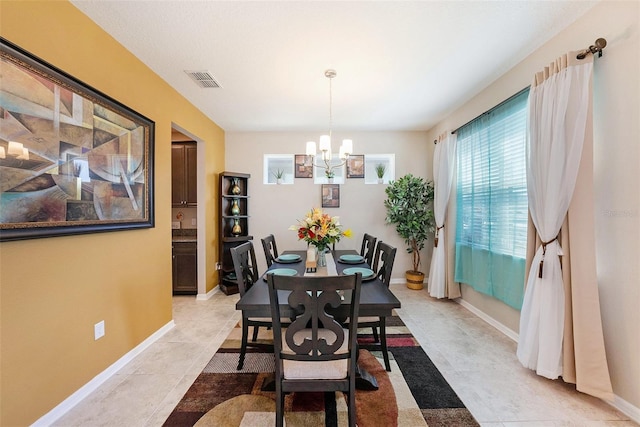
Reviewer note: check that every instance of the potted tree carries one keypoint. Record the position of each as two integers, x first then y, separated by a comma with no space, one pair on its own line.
409,207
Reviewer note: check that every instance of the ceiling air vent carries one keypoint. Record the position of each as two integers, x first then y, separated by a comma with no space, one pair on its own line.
203,79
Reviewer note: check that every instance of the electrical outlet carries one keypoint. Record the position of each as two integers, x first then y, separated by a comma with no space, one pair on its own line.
193,221
218,266
98,330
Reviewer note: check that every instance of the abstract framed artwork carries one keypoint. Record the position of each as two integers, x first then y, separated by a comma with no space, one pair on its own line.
303,167
355,166
72,159
330,195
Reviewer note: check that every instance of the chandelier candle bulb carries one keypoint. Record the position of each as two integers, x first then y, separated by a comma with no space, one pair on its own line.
347,144
311,148
325,143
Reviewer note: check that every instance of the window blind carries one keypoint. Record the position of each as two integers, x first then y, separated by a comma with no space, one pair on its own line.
492,210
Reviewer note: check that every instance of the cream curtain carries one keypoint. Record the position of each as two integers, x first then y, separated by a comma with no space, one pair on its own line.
443,167
560,325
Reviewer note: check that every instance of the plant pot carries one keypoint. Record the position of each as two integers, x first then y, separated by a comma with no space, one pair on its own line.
278,181
380,180
415,279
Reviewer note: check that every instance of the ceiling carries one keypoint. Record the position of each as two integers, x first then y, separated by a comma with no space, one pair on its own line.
401,65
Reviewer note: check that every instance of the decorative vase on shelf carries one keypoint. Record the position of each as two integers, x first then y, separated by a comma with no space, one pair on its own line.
236,230
235,209
235,186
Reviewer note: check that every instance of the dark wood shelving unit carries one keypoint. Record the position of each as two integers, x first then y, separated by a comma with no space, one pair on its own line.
228,239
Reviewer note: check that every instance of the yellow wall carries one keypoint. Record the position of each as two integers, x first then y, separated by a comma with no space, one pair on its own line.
53,290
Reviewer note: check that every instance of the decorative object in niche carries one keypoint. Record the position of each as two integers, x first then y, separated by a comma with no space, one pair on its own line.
235,186
380,171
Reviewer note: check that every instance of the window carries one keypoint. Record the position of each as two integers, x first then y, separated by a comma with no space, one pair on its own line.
492,210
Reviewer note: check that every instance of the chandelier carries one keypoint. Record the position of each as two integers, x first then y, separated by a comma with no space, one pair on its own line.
346,149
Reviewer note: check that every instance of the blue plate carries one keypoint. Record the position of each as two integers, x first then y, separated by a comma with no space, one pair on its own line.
367,274
283,272
351,259
288,258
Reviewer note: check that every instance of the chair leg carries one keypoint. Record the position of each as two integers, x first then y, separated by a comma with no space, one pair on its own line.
352,408
255,333
243,346
383,343
374,330
279,405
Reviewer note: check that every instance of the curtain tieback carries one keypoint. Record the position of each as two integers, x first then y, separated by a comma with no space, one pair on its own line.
435,240
544,251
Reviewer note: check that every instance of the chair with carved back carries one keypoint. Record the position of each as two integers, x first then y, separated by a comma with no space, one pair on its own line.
383,266
368,247
246,270
315,353
270,249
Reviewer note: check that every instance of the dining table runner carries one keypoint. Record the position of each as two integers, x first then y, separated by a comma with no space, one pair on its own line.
329,270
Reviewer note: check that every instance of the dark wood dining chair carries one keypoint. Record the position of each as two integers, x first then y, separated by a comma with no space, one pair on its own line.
246,270
315,353
270,249
368,247
383,266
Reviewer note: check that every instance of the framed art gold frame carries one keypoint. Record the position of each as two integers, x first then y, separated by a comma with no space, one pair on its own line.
72,159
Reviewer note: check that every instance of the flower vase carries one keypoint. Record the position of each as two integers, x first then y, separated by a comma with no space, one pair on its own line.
322,259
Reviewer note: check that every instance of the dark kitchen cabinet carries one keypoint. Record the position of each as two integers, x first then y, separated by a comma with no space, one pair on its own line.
184,174
185,268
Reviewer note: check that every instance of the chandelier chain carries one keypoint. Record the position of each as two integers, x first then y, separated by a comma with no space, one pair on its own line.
330,106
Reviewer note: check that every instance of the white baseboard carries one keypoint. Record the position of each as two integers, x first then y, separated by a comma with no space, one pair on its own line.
633,412
66,405
490,320
208,295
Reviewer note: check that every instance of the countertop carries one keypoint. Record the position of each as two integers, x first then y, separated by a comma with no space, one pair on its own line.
184,239
184,235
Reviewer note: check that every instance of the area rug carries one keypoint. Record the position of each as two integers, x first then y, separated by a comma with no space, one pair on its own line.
413,394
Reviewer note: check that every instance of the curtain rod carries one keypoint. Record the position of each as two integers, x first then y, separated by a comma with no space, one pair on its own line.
597,47
491,109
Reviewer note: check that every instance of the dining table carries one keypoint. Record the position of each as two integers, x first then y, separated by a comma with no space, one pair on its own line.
376,299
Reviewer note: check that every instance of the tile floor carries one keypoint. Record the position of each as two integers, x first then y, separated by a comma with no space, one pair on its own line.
478,361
